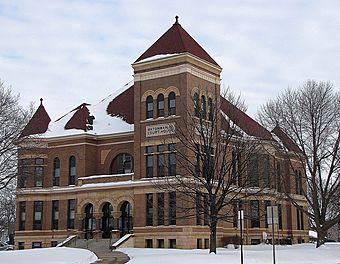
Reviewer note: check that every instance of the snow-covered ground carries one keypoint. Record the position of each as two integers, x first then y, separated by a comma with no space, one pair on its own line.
60,255
260,254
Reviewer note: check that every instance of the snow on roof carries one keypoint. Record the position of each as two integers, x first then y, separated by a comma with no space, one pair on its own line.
103,124
159,56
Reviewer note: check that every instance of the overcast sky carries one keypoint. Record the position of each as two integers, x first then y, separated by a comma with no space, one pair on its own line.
70,52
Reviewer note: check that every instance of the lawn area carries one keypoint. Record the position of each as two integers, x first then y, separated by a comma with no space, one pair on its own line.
60,255
259,254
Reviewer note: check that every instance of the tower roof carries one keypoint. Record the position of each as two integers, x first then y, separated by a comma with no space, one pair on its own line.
176,40
38,123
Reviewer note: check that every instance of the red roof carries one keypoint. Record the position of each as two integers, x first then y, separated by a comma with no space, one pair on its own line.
123,106
286,140
79,118
243,121
176,40
38,123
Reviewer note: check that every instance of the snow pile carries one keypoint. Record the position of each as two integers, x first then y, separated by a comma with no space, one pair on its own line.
60,255
297,254
313,234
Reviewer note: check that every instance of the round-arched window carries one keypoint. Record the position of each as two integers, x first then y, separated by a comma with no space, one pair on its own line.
121,164
172,103
160,105
149,107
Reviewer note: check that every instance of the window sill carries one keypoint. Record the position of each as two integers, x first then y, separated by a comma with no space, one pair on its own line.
160,119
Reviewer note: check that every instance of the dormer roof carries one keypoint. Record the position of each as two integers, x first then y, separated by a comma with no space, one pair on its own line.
176,41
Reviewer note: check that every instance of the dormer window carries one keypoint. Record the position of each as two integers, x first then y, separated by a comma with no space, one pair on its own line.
160,105
149,107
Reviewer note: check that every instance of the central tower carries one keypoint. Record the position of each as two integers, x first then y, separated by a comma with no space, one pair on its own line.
166,77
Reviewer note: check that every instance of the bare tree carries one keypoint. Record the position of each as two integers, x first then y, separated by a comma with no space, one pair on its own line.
7,210
212,155
310,116
13,119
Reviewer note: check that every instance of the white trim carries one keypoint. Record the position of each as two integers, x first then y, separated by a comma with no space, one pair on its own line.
105,176
184,68
170,57
83,136
92,144
89,187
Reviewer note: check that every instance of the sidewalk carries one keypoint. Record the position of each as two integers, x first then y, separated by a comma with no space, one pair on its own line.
114,257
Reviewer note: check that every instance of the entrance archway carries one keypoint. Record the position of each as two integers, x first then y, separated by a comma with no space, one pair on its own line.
89,221
107,220
125,221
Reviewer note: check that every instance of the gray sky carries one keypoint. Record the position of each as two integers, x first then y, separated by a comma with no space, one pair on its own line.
74,51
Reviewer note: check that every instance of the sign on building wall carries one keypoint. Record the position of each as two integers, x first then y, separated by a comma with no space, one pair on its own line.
160,130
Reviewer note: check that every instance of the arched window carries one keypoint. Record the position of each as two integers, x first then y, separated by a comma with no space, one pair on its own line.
196,105
89,221
203,107
121,164
149,107
210,109
72,171
160,105
126,224
172,103
56,172
107,220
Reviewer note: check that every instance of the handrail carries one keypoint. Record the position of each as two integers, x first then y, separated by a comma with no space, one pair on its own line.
121,240
67,241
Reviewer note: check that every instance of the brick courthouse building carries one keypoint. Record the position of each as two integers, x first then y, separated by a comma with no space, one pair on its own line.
88,173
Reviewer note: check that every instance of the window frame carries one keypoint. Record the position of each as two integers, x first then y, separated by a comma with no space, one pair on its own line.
160,105
56,172
38,207
72,170
71,211
172,103
55,215
149,107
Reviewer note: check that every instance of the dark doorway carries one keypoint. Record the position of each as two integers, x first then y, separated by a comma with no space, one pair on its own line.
89,222
125,221
107,220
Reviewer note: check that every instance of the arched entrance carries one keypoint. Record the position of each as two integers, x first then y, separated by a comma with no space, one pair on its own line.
89,221
125,221
107,220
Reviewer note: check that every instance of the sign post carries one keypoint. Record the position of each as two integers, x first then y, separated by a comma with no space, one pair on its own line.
240,220
272,219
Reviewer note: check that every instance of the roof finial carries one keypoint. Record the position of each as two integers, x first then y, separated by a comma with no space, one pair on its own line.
41,101
176,22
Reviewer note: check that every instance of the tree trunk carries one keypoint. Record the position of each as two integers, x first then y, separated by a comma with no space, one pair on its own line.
321,237
213,237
